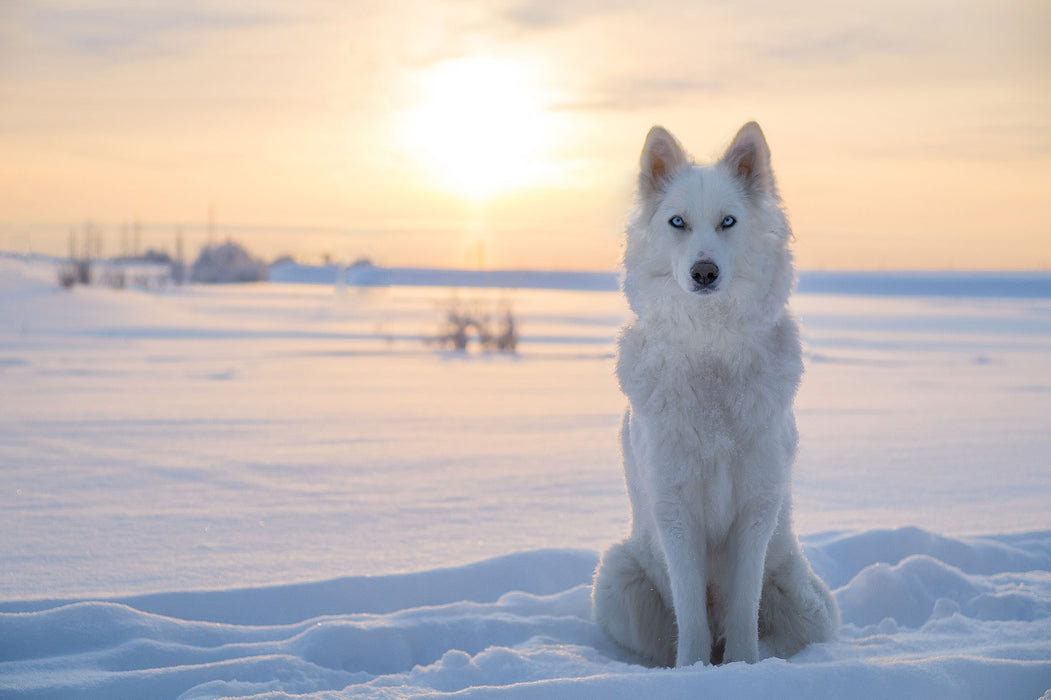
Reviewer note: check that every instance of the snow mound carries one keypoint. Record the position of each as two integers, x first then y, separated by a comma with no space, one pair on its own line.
839,558
922,588
519,626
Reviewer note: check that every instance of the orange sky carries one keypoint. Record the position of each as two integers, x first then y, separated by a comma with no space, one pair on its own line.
905,135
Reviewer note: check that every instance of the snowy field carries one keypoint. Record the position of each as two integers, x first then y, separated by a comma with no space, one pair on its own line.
282,490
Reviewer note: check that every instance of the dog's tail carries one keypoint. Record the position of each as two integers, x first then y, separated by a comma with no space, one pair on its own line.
628,606
796,608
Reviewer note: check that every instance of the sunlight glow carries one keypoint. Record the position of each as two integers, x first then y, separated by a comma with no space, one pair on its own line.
478,127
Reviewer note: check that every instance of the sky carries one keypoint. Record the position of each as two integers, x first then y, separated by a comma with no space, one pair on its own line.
506,134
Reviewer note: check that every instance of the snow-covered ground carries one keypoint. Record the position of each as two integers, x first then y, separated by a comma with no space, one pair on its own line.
279,490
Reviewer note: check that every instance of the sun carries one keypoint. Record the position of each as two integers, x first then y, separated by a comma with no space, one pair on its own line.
478,127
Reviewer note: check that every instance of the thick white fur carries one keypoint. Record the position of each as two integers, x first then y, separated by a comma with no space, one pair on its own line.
712,564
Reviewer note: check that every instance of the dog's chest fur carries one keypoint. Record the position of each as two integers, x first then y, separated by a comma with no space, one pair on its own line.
718,414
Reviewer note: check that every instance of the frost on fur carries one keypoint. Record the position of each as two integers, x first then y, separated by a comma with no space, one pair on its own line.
710,365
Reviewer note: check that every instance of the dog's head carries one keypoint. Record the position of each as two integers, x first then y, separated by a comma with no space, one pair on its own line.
716,230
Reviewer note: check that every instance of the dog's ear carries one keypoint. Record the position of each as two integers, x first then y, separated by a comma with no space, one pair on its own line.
748,159
662,157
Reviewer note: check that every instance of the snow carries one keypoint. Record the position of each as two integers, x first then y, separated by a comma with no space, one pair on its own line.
282,489
364,273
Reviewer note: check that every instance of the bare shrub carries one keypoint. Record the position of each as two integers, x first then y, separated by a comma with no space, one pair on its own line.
465,320
74,272
82,269
506,339
67,276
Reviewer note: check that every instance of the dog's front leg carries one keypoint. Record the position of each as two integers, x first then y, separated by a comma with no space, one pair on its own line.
749,538
685,555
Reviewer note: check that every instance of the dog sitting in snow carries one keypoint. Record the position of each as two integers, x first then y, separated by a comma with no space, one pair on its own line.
710,364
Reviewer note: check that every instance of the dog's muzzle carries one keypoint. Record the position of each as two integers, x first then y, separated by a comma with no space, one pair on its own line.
705,275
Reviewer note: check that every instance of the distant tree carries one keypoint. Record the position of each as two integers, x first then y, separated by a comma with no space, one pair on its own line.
156,257
179,263
227,262
78,269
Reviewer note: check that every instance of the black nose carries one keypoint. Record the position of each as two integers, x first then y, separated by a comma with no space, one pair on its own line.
705,273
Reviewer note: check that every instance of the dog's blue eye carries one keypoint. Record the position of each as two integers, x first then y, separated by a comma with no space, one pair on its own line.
729,221
677,222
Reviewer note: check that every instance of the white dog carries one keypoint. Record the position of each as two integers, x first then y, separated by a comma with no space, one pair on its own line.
710,365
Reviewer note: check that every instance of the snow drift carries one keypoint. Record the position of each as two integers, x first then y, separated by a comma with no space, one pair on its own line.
915,625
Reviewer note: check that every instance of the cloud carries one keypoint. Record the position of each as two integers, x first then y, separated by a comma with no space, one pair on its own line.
125,31
642,94
836,45
546,15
